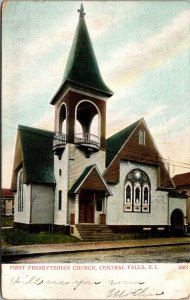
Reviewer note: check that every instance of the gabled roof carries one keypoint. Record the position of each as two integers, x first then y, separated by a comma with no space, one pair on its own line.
124,145
182,179
90,179
82,69
36,157
116,141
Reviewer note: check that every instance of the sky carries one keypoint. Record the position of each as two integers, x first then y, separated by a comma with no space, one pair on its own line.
143,52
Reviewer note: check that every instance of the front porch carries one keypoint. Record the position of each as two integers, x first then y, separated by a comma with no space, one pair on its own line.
88,202
88,219
89,208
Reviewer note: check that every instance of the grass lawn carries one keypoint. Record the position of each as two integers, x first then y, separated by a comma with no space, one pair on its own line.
17,237
7,221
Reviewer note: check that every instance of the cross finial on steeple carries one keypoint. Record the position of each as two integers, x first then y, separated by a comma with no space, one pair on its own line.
81,11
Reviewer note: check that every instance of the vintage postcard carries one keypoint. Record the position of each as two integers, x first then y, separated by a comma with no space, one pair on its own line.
95,150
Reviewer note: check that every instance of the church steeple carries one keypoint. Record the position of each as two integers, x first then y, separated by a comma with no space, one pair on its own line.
80,106
82,69
81,11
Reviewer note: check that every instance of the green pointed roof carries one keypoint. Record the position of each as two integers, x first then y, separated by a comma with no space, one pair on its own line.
82,69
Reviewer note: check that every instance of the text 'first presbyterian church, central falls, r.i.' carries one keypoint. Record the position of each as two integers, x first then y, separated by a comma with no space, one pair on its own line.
81,183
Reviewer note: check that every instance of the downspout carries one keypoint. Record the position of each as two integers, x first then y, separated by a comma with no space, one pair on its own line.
30,220
168,221
52,226
94,208
68,176
105,207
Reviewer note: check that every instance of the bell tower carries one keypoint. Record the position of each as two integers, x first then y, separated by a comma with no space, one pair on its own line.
80,111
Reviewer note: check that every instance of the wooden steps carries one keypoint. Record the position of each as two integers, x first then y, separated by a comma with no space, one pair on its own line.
95,232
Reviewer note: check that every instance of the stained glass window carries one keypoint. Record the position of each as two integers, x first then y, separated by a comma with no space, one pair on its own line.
137,191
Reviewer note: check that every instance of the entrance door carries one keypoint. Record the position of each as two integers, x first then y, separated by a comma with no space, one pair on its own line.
86,208
177,221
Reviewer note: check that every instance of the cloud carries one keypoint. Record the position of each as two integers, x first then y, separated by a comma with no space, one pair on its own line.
34,83
46,122
103,16
100,25
154,112
133,59
166,128
22,76
124,118
39,44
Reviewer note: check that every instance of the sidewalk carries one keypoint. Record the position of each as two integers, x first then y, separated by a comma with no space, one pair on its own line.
51,249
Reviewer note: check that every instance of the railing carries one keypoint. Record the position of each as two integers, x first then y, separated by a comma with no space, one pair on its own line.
87,138
83,139
59,140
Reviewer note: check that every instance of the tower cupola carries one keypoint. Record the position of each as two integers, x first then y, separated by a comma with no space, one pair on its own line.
82,70
80,101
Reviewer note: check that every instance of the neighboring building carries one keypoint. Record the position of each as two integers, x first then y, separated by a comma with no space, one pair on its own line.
81,182
182,183
7,202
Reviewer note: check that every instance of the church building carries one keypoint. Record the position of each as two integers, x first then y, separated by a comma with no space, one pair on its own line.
81,183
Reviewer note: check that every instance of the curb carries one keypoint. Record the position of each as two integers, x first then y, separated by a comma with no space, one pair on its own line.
13,257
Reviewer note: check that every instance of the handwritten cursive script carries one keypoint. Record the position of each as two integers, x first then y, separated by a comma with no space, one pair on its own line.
143,292
112,289
34,280
139,289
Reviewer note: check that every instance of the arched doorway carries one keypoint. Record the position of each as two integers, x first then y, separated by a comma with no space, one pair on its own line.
177,221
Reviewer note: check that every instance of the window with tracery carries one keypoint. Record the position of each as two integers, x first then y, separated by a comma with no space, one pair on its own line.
137,191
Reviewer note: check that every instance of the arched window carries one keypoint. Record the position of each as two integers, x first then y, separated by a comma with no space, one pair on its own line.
145,195
137,196
128,193
141,137
20,192
137,191
146,198
128,196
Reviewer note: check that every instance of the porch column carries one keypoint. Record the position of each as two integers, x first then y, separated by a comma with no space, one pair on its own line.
105,205
104,210
76,208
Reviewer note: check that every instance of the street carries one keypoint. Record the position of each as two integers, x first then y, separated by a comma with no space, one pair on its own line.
161,254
